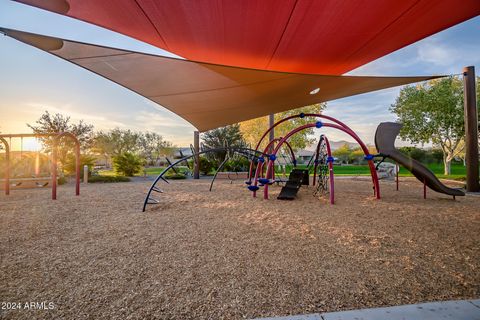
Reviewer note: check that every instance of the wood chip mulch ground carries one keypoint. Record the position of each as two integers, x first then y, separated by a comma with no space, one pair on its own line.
226,255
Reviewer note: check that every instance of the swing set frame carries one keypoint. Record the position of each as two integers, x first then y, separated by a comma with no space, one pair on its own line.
57,137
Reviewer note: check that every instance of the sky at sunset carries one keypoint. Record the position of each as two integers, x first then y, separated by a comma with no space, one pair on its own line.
32,81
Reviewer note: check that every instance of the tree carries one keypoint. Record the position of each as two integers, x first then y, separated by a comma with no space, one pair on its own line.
85,160
343,154
414,153
103,146
229,136
357,156
116,142
127,163
433,112
206,166
152,145
49,124
253,129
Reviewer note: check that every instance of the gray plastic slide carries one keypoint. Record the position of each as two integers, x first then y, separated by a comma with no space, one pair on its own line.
385,142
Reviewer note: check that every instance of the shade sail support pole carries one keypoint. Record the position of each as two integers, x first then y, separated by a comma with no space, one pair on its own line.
196,146
471,129
271,122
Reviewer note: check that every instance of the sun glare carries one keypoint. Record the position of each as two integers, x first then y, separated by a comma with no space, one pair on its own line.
31,144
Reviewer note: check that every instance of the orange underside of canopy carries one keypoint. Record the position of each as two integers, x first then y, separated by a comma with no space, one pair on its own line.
322,36
208,95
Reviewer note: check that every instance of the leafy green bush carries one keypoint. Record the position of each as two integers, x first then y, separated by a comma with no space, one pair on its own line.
237,164
127,164
85,159
175,176
61,180
106,179
414,153
206,166
191,163
436,155
228,136
426,156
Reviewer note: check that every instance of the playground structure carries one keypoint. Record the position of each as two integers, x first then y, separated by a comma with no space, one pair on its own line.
262,162
254,156
56,138
322,161
259,180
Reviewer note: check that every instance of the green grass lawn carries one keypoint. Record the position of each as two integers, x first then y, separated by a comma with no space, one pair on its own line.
458,171
152,171
109,173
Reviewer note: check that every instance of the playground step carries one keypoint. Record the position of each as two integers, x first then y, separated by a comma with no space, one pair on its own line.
288,193
152,201
295,181
156,189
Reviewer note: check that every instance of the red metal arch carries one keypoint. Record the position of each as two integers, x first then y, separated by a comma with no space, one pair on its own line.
335,126
270,144
7,167
300,115
260,165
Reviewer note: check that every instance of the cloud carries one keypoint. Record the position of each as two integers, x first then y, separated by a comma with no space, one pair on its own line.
64,109
447,57
156,119
362,113
446,52
172,128
434,52
390,65
100,122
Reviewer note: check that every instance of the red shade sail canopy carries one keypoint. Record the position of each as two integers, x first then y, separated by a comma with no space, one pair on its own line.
322,36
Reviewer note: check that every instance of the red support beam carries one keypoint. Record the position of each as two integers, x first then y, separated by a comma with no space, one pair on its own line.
7,166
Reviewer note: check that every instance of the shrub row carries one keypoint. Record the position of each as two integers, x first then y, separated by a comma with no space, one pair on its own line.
95,179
